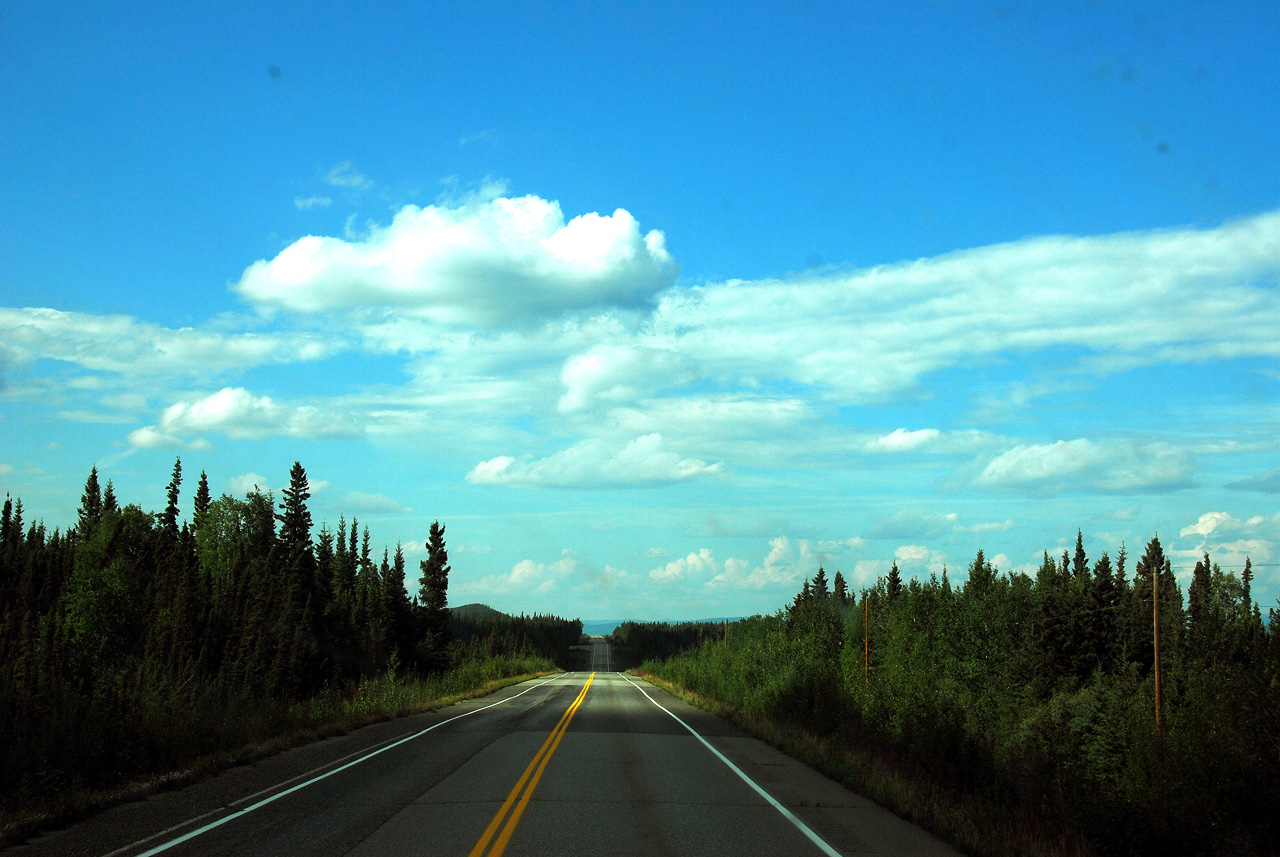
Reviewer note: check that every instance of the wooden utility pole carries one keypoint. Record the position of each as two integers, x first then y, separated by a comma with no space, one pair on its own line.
1155,612
866,644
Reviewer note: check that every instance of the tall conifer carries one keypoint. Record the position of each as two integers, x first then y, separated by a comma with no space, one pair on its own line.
893,583
90,513
109,502
170,518
202,501
434,585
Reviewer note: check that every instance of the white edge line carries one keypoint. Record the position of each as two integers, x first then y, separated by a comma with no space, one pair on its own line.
165,846
786,813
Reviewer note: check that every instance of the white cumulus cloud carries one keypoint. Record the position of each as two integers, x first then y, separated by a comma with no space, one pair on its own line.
246,482
238,414
694,565
612,373
481,262
1209,522
781,567
902,440
526,577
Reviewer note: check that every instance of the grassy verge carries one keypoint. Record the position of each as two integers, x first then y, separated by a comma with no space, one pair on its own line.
970,823
269,729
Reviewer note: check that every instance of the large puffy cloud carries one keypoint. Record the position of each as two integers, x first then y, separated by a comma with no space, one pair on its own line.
1208,523
917,557
481,262
782,566
528,577
596,462
1229,541
1087,465
238,414
686,567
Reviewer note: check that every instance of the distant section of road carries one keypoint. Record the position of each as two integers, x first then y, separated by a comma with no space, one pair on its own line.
584,763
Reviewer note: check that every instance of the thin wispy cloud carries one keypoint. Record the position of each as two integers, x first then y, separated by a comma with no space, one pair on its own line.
488,136
345,176
302,203
596,462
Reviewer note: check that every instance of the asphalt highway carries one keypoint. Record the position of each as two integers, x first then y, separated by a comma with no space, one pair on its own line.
583,763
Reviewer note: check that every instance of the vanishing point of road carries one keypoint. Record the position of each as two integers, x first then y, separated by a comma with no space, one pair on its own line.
582,763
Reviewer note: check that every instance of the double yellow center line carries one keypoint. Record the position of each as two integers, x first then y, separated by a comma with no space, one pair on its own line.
524,788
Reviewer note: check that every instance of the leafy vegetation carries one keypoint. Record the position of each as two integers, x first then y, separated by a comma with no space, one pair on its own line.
134,644
1018,714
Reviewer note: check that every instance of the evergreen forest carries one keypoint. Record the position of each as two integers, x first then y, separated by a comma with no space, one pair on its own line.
1017,714
135,644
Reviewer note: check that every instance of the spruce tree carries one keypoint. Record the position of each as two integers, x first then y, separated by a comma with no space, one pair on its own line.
893,583
981,574
1247,579
1047,573
109,502
90,513
1079,562
202,502
324,563
820,589
14,535
805,595
170,519
399,609
294,518
840,590
1198,607
434,585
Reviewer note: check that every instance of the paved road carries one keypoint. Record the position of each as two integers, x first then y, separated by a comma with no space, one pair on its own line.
584,763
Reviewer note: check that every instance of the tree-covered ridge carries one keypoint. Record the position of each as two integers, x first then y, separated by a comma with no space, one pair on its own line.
550,636
1034,698
134,638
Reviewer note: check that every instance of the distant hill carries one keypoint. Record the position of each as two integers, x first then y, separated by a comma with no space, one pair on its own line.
477,611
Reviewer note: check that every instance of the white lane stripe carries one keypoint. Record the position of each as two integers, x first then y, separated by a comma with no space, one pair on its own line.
165,846
177,826
786,813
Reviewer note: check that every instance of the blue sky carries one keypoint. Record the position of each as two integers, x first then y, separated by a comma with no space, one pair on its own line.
656,308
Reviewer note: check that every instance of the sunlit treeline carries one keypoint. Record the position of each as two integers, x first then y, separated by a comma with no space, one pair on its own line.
134,640
1029,699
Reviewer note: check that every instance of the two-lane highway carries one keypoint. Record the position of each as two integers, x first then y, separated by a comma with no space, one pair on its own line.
582,763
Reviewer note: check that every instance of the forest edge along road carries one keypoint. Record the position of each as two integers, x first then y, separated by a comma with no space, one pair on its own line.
653,774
